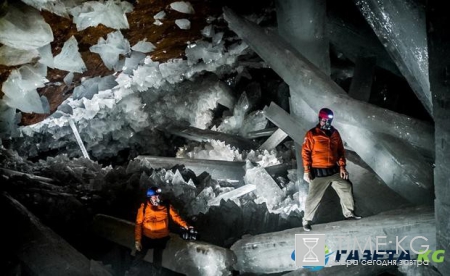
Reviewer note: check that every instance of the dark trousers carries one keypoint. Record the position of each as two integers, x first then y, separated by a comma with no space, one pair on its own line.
158,245
139,266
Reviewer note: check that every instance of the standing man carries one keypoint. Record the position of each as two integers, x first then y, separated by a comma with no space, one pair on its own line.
323,157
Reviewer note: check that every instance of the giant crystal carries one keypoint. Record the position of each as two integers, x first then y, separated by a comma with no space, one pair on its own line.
24,28
357,41
241,122
402,168
46,56
294,128
54,6
221,170
70,59
400,26
11,56
266,188
110,49
302,23
271,252
133,61
274,140
143,46
261,133
183,24
183,7
111,14
232,195
20,88
203,135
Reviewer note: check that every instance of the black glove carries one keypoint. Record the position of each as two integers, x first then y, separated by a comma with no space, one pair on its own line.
189,234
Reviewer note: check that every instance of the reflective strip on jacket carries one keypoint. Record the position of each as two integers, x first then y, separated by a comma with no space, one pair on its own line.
321,151
154,223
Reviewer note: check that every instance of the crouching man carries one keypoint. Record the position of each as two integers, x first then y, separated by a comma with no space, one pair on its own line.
152,227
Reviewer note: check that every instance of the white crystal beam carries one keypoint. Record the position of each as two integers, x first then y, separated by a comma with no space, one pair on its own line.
78,138
401,27
274,140
253,252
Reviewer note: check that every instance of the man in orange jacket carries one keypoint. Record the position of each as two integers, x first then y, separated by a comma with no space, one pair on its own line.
324,163
152,225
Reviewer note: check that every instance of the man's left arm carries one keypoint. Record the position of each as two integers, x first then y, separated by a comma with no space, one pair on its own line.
341,158
177,219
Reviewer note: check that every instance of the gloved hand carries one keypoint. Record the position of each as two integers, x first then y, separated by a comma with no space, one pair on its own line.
307,177
343,173
138,245
189,233
192,233
192,230
185,233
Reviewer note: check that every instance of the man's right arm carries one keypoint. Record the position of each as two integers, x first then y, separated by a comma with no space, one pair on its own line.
306,156
138,228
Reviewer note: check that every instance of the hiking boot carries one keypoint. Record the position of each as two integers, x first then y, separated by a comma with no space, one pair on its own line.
353,217
307,227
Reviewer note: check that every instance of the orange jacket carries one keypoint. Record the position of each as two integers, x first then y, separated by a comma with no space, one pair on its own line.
154,222
321,151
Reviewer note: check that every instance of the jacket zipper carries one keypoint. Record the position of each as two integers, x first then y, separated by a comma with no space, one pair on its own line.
329,149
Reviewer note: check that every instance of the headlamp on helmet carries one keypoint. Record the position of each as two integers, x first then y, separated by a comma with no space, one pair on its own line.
153,191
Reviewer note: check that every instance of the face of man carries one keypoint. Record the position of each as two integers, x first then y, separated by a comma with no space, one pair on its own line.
154,200
325,123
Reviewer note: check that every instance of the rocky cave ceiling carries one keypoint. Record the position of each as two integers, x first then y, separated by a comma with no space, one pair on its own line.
170,41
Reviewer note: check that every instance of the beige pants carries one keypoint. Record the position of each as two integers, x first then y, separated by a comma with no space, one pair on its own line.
317,189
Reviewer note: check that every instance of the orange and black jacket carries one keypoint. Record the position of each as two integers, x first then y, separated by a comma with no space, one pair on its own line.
153,222
322,151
